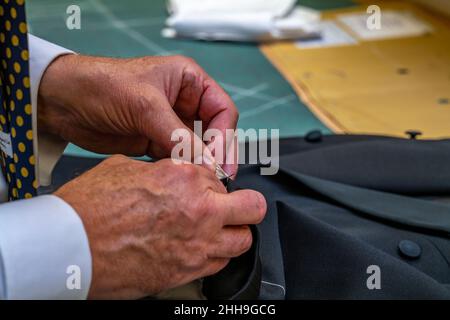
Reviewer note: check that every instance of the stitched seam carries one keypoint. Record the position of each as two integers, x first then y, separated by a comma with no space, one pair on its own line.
275,285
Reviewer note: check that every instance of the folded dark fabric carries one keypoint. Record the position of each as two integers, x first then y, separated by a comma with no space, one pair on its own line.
339,208
343,206
241,278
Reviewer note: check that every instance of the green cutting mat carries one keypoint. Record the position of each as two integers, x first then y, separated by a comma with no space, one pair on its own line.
132,28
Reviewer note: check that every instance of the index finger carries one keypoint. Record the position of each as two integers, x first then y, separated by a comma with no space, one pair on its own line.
218,111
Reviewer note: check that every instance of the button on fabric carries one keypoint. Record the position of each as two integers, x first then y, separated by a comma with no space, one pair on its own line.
413,134
409,249
314,136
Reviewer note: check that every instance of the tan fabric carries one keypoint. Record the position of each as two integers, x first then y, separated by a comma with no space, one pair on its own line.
360,89
50,150
440,6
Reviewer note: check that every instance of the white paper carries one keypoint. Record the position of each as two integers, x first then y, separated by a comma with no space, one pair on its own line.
394,24
238,20
331,35
273,7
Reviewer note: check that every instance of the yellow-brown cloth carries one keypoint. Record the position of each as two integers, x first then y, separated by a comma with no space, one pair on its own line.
375,87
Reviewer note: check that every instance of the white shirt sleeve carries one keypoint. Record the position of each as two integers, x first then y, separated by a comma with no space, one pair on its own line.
47,148
42,239
44,251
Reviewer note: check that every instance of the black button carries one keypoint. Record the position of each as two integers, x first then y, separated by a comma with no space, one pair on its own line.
413,134
409,249
314,136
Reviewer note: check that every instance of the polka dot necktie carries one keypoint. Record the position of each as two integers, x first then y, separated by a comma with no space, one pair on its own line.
16,134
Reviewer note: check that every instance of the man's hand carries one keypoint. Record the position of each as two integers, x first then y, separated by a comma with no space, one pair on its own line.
156,226
131,106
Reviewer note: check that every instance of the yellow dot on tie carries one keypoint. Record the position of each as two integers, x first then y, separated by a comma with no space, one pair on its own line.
32,160
13,132
19,94
24,172
8,90
19,121
26,82
20,2
14,192
35,184
8,25
28,195
16,158
12,105
12,168
21,147
12,80
18,183
23,27
2,11
8,177
24,55
17,67
15,40
2,37
28,109
8,53
29,134
4,63
2,119
13,13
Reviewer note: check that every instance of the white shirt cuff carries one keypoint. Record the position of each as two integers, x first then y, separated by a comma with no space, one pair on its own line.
44,251
42,54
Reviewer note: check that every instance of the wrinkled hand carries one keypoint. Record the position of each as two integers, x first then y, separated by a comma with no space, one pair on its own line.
131,106
156,226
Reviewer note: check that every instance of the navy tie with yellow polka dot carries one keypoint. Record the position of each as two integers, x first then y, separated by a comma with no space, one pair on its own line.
16,136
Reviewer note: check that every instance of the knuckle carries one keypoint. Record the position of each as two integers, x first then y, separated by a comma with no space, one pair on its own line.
184,59
195,212
246,241
199,211
189,171
115,159
194,261
167,164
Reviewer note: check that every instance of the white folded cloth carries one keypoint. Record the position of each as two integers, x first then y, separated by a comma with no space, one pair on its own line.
240,20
